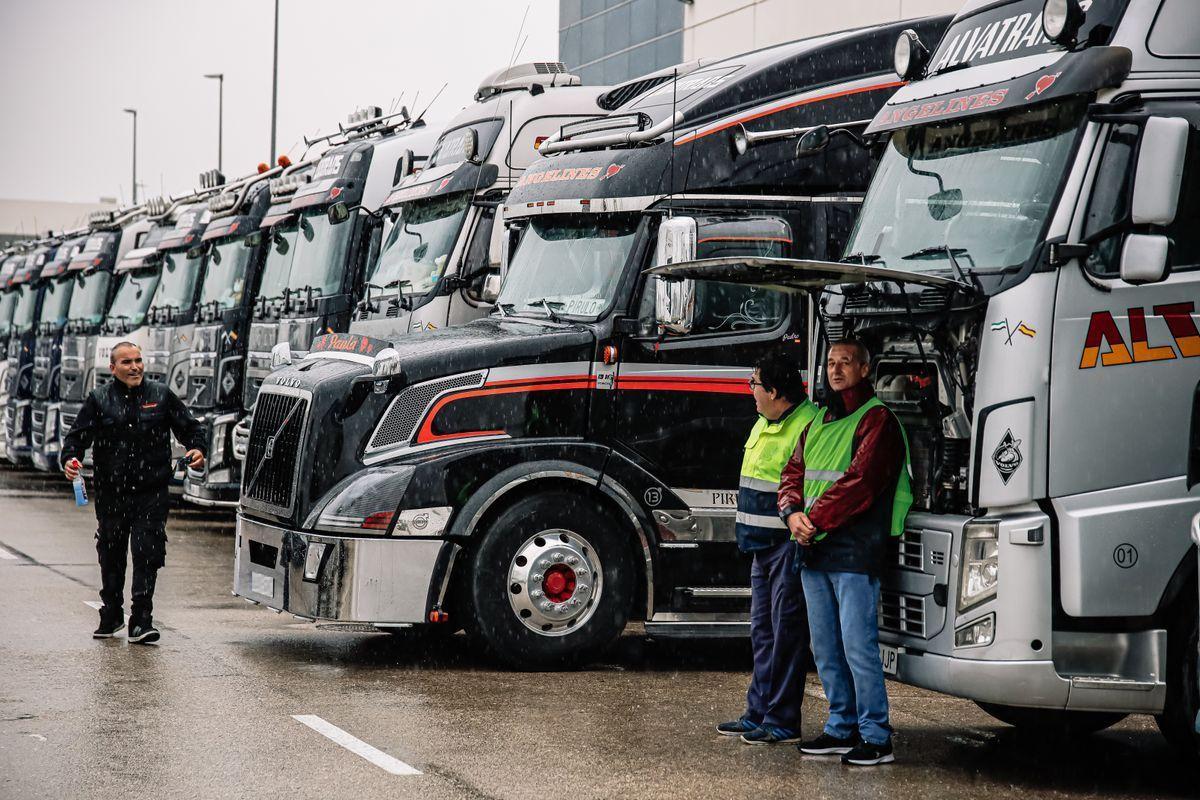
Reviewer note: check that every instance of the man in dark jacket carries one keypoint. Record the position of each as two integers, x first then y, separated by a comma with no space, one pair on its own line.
128,424
844,490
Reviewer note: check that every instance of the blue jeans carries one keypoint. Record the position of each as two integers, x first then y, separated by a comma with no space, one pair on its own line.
779,639
842,620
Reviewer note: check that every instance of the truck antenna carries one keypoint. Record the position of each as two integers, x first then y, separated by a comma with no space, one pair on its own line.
671,180
421,116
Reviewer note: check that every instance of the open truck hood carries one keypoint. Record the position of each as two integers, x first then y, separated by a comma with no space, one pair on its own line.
794,274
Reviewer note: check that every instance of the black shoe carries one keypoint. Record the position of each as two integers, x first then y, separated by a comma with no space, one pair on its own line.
143,633
868,755
109,627
826,745
737,727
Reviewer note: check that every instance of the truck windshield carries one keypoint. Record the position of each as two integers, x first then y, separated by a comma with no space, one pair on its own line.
225,278
320,259
279,262
982,186
56,301
88,296
568,265
26,305
419,245
133,297
8,304
177,287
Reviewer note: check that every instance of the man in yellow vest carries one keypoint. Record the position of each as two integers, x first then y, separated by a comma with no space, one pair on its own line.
843,492
778,620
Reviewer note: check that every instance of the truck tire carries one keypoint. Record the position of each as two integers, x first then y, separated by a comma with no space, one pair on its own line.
551,581
1051,721
1178,720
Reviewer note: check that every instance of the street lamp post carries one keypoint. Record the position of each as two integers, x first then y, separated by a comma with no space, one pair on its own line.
274,83
133,111
220,78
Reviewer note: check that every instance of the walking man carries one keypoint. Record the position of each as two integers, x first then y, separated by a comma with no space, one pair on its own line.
778,621
128,424
844,490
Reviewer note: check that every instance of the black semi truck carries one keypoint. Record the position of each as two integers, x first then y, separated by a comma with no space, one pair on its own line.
569,463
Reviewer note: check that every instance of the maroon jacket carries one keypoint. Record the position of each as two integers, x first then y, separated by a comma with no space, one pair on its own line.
874,468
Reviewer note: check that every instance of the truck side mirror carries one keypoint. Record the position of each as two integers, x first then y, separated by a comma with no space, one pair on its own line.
675,301
253,240
491,288
338,213
281,355
1159,171
1193,473
1144,258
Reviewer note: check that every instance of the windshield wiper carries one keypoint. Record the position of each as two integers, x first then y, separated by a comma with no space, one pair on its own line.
946,250
401,300
545,303
505,309
861,258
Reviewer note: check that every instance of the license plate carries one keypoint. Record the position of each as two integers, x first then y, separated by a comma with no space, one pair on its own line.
888,656
262,584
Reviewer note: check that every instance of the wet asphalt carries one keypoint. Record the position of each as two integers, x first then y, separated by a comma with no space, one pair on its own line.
210,712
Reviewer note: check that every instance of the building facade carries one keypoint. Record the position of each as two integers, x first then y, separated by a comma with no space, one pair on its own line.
609,41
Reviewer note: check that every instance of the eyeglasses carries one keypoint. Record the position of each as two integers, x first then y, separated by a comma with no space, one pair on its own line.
754,383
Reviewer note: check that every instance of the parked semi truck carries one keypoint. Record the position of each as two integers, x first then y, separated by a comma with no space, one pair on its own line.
1025,271
568,463
8,308
47,352
112,235
236,252
22,336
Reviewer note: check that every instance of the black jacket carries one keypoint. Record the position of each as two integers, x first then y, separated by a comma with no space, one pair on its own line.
129,431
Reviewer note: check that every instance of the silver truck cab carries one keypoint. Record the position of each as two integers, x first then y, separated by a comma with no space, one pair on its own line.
1025,272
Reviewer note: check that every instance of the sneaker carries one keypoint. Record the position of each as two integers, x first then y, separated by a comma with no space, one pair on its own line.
737,727
826,745
771,734
866,754
143,633
109,627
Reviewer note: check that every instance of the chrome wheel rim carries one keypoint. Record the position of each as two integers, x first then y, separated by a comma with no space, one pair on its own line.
554,582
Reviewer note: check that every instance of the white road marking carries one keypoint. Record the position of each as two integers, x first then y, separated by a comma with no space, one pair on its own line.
7,555
357,746
96,604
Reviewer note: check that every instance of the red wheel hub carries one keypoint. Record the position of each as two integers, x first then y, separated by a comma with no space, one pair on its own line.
559,583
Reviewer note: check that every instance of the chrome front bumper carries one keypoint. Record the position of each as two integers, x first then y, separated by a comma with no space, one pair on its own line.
369,580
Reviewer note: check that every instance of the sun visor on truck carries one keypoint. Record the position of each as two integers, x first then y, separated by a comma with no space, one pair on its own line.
188,227
791,274
57,265
139,258
339,177
461,177
993,87
98,251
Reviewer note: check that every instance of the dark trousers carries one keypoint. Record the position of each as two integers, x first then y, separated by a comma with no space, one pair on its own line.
779,638
135,524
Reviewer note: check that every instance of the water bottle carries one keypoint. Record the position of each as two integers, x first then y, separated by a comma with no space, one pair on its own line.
81,498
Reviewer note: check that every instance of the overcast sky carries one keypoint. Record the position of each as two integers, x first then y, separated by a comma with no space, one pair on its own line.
68,67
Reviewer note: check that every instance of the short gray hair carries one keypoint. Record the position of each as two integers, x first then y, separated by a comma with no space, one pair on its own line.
860,349
112,354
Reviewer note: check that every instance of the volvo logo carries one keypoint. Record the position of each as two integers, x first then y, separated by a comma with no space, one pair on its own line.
420,522
289,382
269,450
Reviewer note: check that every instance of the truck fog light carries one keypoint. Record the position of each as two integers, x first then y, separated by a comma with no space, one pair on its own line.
979,633
312,561
980,563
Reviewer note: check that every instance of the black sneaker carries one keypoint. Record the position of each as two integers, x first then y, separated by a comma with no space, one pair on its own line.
109,627
737,727
826,745
771,734
866,754
143,633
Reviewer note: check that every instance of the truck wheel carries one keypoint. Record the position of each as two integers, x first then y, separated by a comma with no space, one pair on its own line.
551,581
1051,721
1178,720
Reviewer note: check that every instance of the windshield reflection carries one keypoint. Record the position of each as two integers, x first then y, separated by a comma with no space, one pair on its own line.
133,297
26,305
983,187
88,296
568,265
420,243
279,262
225,277
320,257
55,301
177,286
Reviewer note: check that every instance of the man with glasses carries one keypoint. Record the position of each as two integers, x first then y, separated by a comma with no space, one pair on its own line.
778,620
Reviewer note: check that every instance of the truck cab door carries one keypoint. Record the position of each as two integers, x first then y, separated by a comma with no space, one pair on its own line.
1125,363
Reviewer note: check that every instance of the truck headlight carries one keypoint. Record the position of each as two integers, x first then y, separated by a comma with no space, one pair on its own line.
980,563
366,500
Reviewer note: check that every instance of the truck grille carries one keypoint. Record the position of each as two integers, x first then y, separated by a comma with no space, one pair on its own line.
200,393
273,454
67,421
902,613
39,427
409,408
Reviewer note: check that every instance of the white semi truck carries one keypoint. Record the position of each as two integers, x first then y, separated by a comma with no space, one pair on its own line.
1025,271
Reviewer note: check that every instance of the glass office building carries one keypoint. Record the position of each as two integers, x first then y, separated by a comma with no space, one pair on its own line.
610,41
